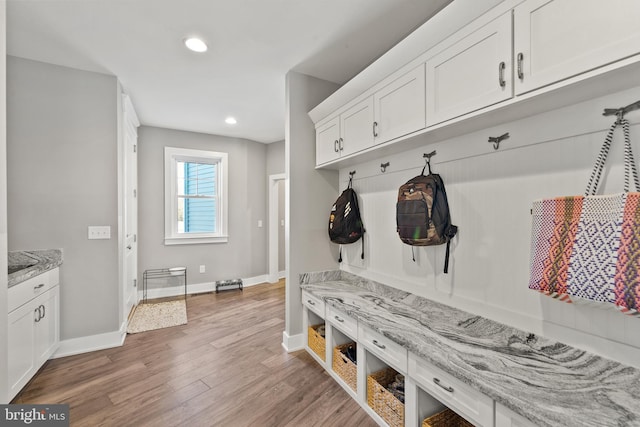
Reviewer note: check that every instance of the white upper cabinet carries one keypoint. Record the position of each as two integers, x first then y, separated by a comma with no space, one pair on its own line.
399,107
356,128
559,39
327,141
473,73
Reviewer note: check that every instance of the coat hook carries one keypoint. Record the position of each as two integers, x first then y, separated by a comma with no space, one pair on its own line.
383,167
427,158
498,139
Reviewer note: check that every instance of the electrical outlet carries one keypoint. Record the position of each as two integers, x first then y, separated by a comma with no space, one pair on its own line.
282,222
259,223
99,232
202,269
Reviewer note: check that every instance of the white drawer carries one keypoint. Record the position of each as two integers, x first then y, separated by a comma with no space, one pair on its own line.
346,324
388,351
24,292
315,304
470,403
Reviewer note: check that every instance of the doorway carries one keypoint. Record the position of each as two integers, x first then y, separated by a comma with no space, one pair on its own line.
277,227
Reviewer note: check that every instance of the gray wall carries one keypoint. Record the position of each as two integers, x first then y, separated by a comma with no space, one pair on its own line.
309,248
275,158
245,254
62,178
3,205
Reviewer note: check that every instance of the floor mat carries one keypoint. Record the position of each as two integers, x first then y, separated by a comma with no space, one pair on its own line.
148,317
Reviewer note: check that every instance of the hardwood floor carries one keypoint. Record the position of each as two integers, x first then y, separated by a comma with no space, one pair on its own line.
226,367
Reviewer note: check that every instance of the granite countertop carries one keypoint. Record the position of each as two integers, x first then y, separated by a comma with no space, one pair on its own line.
547,382
37,262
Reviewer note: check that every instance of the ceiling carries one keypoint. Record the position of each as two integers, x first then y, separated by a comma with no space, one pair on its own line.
252,45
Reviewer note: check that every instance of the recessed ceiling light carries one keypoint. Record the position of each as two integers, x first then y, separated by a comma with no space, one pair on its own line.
230,121
195,44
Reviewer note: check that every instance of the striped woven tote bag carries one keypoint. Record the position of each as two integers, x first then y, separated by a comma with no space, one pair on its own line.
587,248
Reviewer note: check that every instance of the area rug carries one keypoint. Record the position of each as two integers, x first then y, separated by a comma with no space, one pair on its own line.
148,317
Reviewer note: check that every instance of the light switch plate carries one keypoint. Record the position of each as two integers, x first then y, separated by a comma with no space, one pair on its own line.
99,232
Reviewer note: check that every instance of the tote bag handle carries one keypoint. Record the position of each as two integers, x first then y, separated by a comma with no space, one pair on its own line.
629,163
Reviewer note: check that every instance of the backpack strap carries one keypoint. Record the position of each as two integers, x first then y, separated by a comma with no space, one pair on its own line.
450,233
340,256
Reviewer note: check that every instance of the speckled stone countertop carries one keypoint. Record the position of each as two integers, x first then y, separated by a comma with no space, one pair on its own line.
37,262
547,382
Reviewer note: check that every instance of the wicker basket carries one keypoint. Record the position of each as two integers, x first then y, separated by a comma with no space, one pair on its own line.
317,342
446,418
344,367
381,400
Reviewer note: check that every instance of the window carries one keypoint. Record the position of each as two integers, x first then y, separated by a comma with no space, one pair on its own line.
195,196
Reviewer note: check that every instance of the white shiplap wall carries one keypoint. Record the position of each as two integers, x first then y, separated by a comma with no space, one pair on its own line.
490,194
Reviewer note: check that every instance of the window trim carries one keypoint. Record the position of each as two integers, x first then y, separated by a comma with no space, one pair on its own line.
172,155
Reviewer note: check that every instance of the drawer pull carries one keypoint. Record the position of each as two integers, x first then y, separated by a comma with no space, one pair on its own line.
41,285
311,302
448,388
377,344
501,68
338,319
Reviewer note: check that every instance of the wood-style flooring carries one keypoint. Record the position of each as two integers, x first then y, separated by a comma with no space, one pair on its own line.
226,367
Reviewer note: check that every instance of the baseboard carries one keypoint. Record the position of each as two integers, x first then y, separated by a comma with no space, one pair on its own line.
198,288
282,274
90,343
292,343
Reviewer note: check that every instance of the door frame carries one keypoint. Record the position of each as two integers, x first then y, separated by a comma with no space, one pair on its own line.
274,180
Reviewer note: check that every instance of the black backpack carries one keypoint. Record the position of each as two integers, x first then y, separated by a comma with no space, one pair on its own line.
345,223
422,213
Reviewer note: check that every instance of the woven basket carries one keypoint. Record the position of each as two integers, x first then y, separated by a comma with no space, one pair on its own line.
317,342
446,418
344,367
381,400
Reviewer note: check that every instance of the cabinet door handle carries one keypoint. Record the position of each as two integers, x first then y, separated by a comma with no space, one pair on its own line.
44,311
377,344
37,314
340,144
520,60
311,302
501,68
41,285
335,146
375,129
448,388
338,319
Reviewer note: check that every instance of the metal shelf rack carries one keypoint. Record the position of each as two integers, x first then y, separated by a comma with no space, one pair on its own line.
163,273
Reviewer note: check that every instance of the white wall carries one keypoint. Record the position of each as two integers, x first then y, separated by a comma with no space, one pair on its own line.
62,178
309,195
490,194
245,254
3,205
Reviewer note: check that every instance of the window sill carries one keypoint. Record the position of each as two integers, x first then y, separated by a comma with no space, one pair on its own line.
168,241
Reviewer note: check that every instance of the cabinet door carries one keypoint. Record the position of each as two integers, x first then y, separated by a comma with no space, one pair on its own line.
21,346
472,74
327,140
356,127
47,327
558,39
400,106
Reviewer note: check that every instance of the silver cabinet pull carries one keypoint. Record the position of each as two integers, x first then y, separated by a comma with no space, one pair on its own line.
448,388
338,319
377,344
44,311
41,285
311,302
340,144
501,68
375,129
335,146
37,314
520,60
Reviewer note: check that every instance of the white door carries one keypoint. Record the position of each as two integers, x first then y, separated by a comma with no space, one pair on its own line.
472,74
400,106
558,39
21,346
130,250
356,128
327,140
47,325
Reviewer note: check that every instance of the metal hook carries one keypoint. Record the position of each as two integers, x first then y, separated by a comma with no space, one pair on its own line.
383,167
427,158
620,112
498,139
351,178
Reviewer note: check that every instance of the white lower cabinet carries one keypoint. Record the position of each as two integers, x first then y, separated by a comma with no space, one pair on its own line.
34,327
505,417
